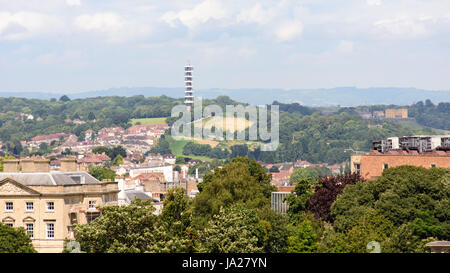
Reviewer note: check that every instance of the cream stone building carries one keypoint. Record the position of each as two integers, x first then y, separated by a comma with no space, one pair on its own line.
49,203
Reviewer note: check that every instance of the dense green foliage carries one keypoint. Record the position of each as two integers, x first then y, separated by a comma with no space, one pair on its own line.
111,153
413,200
102,173
312,137
402,210
161,147
236,226
97,112
431,115
304,133
313,173
14,240
329,139
241,181
192,148
232,231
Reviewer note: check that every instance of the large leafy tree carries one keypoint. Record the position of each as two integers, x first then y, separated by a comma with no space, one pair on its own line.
174,232
299,197
161,147
232,230
14,240
241,181
326,192
120,229
304,238
414,199
403,194
274,234
372,227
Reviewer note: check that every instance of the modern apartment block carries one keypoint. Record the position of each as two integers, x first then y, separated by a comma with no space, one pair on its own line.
423,151
421,143
49,203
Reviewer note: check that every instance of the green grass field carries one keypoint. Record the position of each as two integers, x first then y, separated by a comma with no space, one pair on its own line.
148,121
176,146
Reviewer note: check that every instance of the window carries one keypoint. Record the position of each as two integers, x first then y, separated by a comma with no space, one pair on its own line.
29,228
30,206
50,206
433,165
9,224
92,204
50,231
9,206
386,166
358,168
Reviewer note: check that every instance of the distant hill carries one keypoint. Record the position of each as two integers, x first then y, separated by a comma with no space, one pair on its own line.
343,96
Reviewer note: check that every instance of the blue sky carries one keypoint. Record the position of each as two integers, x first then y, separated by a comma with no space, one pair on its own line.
81,45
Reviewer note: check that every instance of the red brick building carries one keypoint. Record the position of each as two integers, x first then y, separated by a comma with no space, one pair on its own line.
371,165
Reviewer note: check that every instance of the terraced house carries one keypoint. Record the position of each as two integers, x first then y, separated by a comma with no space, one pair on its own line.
49,203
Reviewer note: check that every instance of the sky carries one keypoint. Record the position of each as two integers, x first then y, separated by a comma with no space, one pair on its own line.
81,45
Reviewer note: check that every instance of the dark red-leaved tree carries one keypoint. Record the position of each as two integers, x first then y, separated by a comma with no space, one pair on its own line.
326,192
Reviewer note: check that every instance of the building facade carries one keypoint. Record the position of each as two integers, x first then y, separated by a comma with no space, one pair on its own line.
277,202
49,203
396,113
371,165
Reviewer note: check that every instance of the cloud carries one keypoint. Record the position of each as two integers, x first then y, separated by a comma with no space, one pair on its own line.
202,13
72,58
73,2
25,25
103,22
402,27
114,26
373,2
289,30
345,46
256,14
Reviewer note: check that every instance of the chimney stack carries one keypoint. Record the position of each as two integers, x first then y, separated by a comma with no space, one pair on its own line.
42,165
69,165
27,165
11,165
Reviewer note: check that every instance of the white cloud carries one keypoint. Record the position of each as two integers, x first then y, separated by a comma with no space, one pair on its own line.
289,30
25,25
256,14
200,14
103,22
345,46
71,58
373,2
401,27
73,2
115,27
